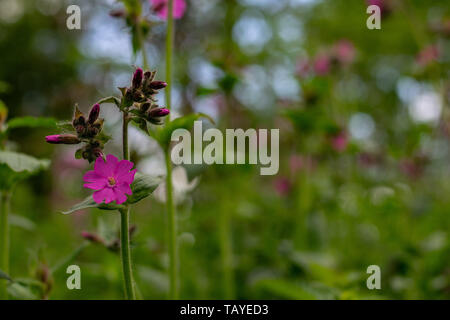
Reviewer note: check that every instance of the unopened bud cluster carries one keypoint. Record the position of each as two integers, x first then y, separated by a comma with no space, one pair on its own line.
140,101
87,130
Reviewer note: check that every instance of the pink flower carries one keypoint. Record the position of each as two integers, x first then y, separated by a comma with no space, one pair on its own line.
111,179
427,55
282,186
345,51
322,64
161,8
339,142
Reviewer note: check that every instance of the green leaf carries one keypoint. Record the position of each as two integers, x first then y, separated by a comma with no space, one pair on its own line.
284,289
163,135
20,291
3,275
65,126
32,122
142,187
110,99
15,167
21,222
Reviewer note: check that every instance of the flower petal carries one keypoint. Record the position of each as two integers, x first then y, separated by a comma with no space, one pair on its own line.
125,188
102,168
112,161
96,185
123,167
126,178
119,196
92,176
105,194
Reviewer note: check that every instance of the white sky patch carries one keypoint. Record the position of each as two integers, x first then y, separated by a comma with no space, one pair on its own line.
252,32
289,28
426,107
208,105
254,91
284,83
204,73
361,126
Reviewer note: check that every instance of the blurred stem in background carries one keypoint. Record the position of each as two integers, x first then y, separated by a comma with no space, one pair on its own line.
226,252
4,242
142,44
171,214
125,252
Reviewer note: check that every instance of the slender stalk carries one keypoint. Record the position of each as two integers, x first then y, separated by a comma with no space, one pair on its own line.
4,242
171,214
142,44
125,252
171,232
169,52
226,253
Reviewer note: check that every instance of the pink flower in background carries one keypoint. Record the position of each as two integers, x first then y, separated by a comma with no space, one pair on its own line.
111,179
322,64
339,142
161,8
427,55
345,51
282,186
303,68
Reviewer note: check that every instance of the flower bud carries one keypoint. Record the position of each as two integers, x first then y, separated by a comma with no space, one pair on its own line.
117,13
62,139
78,118
92,237
137,78
145,106
94,113
158,112
3,114
157,85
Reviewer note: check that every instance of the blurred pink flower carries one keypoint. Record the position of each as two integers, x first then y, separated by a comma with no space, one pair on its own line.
303,67
111,179
339,142
345,51
322,64
161,8
427,55
282,186
384,5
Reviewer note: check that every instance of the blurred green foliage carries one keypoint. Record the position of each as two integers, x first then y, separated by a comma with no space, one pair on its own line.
363,177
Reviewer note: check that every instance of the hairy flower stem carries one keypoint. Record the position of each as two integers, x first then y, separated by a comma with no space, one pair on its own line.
4,242
171,214
125,252
171,231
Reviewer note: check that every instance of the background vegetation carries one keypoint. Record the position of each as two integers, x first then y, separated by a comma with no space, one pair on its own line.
364,148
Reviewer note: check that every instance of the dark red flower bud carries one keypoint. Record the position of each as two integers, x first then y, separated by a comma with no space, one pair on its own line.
137,78
62,139
157,85
117,13
94,113
158,112
92,237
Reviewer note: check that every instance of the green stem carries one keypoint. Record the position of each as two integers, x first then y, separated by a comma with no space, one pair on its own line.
169,52
4,242
171,232
142,45
171,215
226,253
125,252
